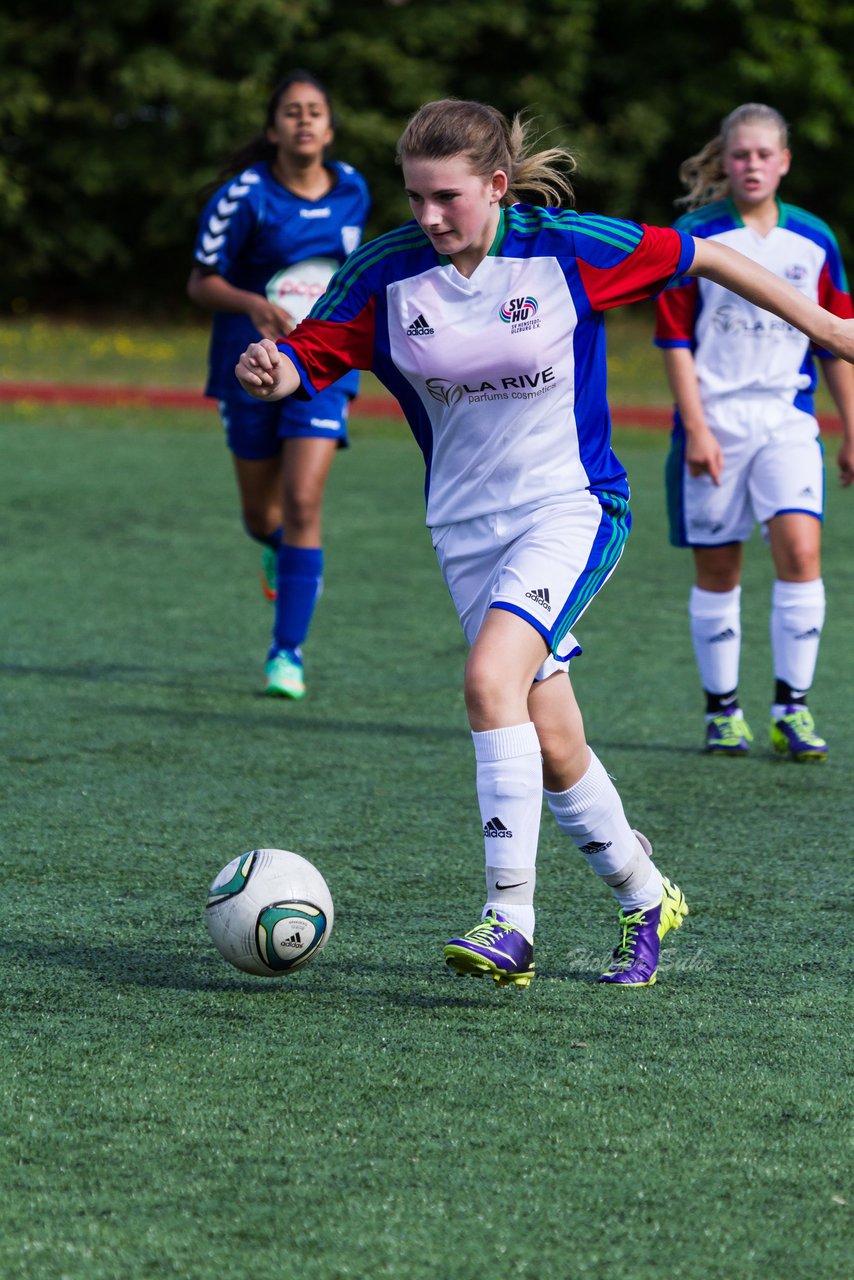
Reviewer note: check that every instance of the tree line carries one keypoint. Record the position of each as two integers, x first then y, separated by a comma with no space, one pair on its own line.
114,119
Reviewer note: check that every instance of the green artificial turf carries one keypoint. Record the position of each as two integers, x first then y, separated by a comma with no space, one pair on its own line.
373,1116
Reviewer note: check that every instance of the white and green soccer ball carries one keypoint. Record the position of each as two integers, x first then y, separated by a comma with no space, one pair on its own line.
269,912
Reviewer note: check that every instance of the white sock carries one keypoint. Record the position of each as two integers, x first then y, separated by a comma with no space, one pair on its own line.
591,814
510,795
797,617
716,633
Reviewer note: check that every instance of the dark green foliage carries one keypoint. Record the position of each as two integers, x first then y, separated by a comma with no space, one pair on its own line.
165,1116
113,118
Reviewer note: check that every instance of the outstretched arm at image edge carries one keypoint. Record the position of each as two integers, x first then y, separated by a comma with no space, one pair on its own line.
734,271
840,382
266,372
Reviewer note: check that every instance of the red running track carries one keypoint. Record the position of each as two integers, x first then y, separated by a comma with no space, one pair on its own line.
363,406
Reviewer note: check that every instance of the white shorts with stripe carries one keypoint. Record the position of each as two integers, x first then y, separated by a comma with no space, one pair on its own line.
544,562
773,464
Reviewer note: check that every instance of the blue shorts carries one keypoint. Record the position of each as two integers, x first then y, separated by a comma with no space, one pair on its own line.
254,430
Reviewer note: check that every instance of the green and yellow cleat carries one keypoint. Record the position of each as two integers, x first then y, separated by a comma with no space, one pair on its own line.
794,734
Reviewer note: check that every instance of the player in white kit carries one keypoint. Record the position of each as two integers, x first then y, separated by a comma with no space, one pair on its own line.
745,446
484,317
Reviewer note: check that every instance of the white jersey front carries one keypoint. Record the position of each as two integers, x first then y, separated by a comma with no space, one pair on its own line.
501,376
739,348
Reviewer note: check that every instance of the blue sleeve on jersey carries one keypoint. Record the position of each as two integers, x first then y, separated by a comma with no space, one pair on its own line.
227,222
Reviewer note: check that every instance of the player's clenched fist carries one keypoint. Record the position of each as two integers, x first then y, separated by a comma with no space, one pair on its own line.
258,368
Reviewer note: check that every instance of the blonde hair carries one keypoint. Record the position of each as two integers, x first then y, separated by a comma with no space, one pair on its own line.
453,127
703,173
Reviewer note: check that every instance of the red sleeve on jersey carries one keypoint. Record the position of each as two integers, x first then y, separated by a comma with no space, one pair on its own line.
327,349
833,299
675,312
641,274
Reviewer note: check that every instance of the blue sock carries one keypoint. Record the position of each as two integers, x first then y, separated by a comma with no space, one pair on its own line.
299,580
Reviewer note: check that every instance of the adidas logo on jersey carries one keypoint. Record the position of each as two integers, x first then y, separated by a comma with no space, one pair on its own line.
419,328
540,596
496,828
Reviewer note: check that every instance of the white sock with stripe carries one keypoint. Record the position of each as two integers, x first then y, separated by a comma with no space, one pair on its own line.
716,634
797,618
510,795
591,814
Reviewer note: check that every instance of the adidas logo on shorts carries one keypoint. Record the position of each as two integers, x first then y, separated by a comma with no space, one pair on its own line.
540,596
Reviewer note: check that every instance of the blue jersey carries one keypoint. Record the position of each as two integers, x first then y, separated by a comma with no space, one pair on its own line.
501,375
251,229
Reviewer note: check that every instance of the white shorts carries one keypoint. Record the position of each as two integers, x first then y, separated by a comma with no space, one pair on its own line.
773,464
543,562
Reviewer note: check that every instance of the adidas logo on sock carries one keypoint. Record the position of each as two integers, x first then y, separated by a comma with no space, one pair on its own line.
812,634
726,634
540,596
595,846
495,827
419,328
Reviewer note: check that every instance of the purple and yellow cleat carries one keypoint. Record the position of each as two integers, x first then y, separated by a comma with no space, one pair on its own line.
634,961
495,948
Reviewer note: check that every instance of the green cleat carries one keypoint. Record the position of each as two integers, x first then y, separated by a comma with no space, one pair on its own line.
283,675
794,734
728,734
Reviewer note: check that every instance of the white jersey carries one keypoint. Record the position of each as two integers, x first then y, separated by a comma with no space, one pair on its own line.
501,376
739,348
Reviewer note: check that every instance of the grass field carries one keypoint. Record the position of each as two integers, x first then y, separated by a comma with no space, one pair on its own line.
373,1116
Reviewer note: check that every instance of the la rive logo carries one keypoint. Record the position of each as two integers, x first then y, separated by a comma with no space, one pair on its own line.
516,386
729,320
520,314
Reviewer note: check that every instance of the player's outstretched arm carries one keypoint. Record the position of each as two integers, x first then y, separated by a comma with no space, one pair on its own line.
840,382
266,372
734,271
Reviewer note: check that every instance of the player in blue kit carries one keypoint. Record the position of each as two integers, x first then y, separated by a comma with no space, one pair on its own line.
484,317
745,446
269,241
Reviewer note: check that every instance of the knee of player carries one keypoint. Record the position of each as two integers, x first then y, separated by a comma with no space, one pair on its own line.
493,693
259,522
302,508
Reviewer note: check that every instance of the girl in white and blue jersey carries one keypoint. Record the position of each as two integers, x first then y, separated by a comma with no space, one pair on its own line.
484,317
268,243
745,446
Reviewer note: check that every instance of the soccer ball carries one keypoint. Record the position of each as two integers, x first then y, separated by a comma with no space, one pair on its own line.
269,911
